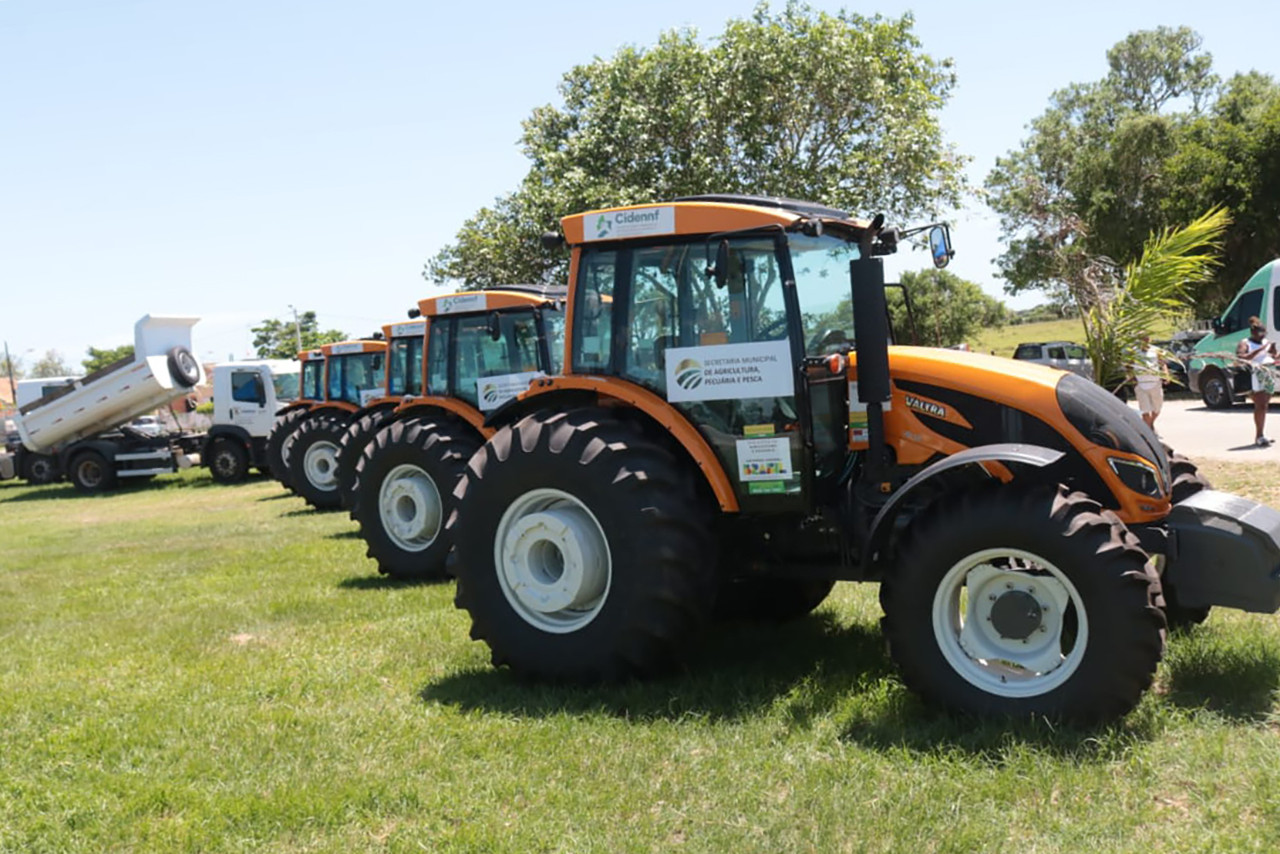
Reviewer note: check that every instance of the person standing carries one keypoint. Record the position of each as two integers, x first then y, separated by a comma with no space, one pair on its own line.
1148,375
1260,354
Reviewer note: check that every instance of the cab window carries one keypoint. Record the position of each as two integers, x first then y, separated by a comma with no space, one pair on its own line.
247,387
313,380
441,332
405,366
1247,305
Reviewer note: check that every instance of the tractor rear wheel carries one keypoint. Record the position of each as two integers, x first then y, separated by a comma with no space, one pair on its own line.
582,550
313,461
404,490
1187,481
1013,601
279,441
350,448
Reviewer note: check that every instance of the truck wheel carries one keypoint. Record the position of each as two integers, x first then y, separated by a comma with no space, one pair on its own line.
313,461
1187,481
350,448
90,472
183,367
775,600
1019,602
405,485
582,550
40,469
279,440
228,461
1215,391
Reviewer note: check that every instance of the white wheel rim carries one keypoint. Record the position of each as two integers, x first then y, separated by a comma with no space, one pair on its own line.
1038,651
410,508
321,465
553,561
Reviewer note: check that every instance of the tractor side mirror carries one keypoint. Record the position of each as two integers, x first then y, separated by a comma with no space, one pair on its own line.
940,246
495,326
720,272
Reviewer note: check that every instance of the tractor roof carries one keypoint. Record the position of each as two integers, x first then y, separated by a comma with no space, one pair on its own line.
493,299
709,214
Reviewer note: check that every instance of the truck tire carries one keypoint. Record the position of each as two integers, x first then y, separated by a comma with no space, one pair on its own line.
1024,602
183,367
773,600
313,461
40,469
581,551
90,472
1187,481
1215,389
279,441
228,460
405,484
355,438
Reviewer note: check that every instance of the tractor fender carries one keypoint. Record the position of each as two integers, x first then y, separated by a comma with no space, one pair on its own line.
1037,456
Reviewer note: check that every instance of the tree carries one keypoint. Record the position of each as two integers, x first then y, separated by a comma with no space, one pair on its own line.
1155,143
51,365
98,359
948,310
841,108
278,339
1159,285
1089,180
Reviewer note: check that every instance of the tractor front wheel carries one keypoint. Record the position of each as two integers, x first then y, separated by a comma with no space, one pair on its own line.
1009,601
404,489
583,552
279,442
313,461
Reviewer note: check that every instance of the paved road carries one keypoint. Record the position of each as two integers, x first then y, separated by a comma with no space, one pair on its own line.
1191,428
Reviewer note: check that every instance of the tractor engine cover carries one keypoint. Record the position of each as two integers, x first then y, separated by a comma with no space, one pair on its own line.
1224,550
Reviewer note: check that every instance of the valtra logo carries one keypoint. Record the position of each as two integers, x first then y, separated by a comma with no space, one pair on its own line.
689,373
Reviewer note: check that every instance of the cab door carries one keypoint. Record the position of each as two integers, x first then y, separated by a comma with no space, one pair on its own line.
249,402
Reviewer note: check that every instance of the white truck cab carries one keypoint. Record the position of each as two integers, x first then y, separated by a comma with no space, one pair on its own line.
1213,372
246,397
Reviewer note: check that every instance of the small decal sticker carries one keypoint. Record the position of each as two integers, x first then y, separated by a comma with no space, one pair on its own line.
346,349
758,430
408,330
764,459
461,302
637,222
768,487
492,392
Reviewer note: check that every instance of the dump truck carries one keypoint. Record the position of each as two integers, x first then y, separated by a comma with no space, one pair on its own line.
733,432
482,349
337,380
77,426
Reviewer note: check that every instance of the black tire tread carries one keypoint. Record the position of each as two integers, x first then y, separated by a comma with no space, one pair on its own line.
351,446
318,428
280,432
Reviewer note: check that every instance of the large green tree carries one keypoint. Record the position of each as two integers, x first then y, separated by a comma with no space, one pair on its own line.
275,338
838,108
105,357
1152,145
51,364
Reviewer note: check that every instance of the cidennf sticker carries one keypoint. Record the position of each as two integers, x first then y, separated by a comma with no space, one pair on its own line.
408,330
346,349
461,302
636,222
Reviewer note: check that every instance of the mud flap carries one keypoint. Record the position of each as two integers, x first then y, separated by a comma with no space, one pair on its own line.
1224,550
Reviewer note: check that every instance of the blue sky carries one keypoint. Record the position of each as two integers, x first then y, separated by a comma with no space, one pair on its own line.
230,159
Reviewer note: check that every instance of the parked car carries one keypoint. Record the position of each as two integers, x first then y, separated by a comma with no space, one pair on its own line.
148,425
1179,347
1063,355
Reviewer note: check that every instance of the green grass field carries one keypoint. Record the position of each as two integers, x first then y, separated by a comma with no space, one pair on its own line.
1005,340
193,667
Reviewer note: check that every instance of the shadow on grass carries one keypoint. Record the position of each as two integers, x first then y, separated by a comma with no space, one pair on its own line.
276,496
1231,676
344,535
46,493
386,582
734,671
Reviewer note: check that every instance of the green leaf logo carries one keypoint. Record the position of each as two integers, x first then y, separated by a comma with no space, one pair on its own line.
604,227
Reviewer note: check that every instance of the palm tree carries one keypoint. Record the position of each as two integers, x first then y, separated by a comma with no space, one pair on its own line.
1157,287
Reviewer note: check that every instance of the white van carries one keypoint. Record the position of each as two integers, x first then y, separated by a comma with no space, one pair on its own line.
1212,371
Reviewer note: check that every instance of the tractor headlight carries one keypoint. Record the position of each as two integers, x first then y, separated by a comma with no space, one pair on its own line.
1138,475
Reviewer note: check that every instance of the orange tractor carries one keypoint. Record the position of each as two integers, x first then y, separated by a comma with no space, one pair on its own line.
337,379
733,432
482,349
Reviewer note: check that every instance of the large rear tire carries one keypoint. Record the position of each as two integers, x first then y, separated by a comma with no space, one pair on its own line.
279,441
1018,602
404,492
351,447
313,461
90,472
583,553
